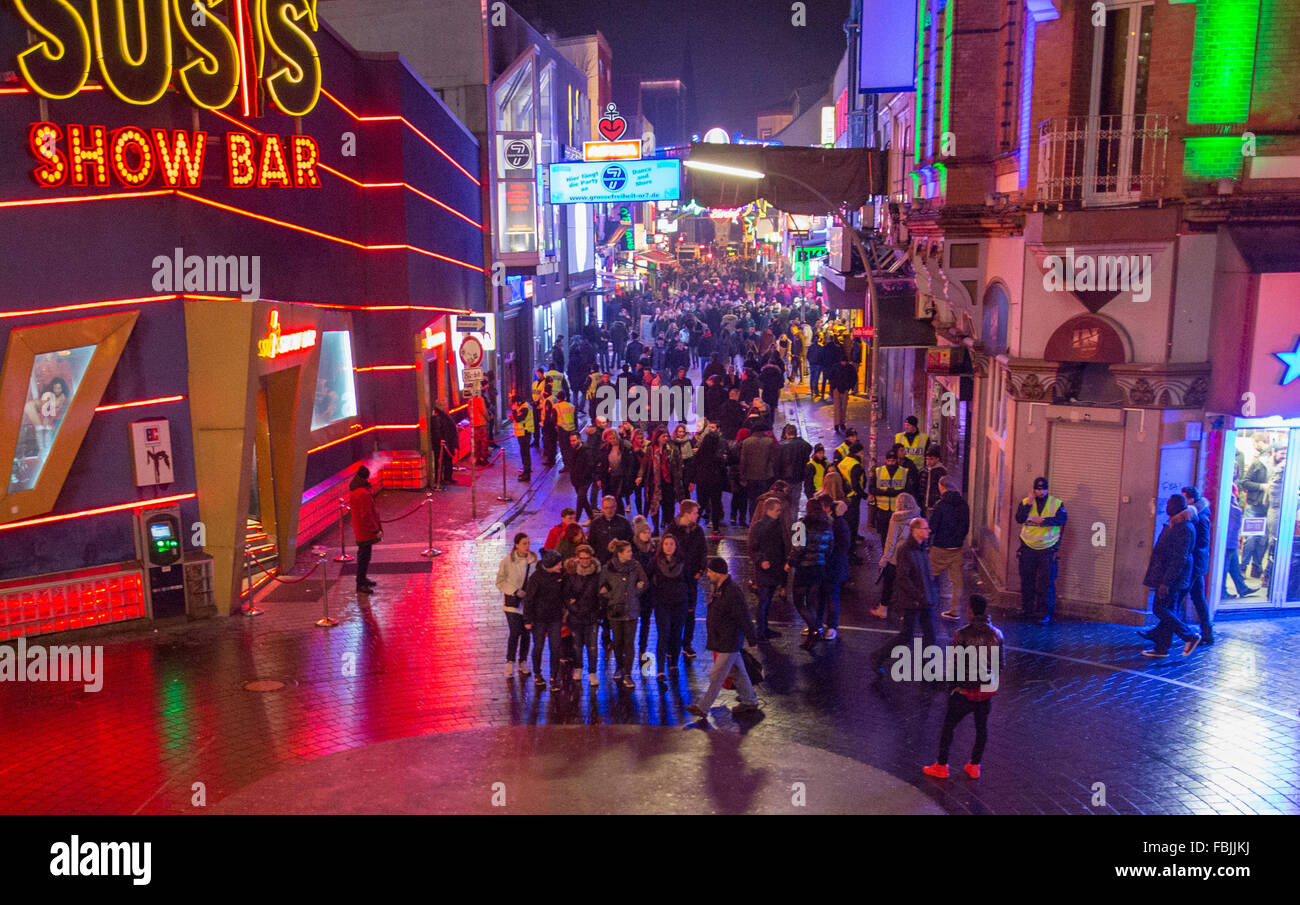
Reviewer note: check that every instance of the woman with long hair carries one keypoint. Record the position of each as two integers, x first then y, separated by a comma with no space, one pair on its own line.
631,486
610,467
905,509
670,594
512,575
661,475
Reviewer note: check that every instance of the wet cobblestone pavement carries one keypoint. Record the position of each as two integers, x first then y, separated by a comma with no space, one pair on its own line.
1217,732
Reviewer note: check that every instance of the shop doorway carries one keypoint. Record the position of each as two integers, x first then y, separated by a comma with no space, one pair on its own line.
260,529
1257,544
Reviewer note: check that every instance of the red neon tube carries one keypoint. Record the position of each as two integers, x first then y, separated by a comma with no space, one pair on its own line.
131,405
87,513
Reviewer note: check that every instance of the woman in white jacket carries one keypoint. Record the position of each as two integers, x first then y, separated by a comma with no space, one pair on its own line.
512,574
905,510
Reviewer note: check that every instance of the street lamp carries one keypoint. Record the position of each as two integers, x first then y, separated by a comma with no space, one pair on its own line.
743,173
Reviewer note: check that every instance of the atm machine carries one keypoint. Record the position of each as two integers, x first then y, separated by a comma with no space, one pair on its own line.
161,553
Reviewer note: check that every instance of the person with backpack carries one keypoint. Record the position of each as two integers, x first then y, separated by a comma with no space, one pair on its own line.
811,560
971,696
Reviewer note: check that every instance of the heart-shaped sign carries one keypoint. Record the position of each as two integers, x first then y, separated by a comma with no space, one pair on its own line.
613,127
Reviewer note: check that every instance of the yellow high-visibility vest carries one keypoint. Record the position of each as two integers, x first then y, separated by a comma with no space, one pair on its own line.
916,449
566,417
1041,537
843,449
886,482
819,472
527,426
845,467
538,386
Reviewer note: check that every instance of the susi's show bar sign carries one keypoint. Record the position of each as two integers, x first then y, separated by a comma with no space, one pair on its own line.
137,49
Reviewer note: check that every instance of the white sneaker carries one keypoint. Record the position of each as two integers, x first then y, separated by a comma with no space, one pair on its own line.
577,674
830,634
592,680
510,670
524,669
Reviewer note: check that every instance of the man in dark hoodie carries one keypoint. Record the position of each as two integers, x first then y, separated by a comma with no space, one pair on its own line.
949,525
728,625
731,416
695,550
544,613
1168,573
710,461
970,695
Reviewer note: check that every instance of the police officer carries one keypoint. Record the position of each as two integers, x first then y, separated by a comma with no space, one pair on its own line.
1041,517
539,387
914,442
524,421
887,482
850,467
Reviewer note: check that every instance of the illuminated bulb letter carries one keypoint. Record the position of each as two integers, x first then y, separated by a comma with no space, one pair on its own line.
273,169
92,159
132,139
43,143
239,160
182,167
306,154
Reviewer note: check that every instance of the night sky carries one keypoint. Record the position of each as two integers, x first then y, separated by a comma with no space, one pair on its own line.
746,53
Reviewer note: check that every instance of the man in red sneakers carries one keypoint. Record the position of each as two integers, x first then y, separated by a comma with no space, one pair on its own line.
971,696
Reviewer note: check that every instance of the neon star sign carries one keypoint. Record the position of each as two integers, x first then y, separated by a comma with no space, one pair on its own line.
1292,361
278,343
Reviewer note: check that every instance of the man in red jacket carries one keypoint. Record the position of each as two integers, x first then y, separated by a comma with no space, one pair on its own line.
366,529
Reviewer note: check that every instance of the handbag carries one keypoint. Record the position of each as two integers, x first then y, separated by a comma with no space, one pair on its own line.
752,666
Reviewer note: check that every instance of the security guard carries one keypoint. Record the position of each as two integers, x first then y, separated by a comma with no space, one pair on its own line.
814,472
887,482
566,424
914,442
539,388
851,468
850,437
524,420
1041,517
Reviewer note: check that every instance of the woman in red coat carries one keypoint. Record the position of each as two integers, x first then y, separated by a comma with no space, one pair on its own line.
366,529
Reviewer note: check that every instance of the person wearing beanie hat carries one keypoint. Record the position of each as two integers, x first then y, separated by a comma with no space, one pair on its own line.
1041,517
583,608
930,477
544,613
728,624
1169,571
914,442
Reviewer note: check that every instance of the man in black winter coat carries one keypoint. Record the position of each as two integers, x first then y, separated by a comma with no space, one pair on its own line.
544,602
915,592
582,471
1168,572
1199,507
728,623
694,550
792,457
731,416
606,527
768,553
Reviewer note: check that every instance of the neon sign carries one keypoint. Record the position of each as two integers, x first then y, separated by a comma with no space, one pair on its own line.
433,340
133,156
277,343
1292,362
261,44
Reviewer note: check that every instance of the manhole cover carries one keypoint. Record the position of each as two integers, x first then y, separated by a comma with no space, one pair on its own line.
264,685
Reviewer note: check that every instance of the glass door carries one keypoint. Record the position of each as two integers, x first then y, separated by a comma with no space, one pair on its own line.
1117,111
1258,567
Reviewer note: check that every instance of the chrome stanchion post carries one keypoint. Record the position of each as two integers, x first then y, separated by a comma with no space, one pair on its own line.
250,609
505,490
344,555
430,551
325,621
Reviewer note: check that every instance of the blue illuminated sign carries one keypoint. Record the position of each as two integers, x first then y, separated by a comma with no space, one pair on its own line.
1292,362
617,181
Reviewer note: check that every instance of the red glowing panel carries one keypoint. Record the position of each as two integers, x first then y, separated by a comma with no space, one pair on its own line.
78,600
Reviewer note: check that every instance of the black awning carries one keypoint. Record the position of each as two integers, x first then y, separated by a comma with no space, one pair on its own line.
796,180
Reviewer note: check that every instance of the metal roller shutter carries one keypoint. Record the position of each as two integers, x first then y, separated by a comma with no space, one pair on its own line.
1085,458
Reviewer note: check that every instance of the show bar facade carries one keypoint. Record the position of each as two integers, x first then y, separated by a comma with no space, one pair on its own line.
235,250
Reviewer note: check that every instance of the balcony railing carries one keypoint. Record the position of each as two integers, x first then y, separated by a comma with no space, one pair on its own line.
1099,160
